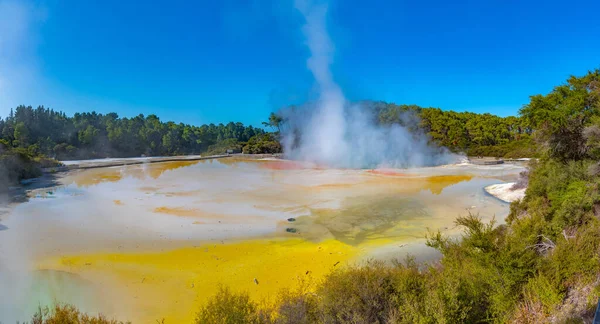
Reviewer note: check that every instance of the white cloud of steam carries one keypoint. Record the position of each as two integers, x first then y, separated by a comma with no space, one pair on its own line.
336,133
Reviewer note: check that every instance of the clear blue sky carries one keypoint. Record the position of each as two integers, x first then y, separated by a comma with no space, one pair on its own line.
217,61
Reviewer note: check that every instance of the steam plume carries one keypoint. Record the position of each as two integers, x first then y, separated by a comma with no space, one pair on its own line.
336,133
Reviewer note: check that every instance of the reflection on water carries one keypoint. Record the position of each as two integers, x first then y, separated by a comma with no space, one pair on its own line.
436,184
90,177
362,218
135,218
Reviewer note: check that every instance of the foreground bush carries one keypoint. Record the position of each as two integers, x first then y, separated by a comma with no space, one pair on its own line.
229,308
524,148
68,314
15,165
262,144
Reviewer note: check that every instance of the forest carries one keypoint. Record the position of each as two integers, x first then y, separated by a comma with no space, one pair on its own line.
466,132
93,135
462,132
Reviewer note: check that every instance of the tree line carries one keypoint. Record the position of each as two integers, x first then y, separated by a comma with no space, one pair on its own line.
470,133
93,135
463,132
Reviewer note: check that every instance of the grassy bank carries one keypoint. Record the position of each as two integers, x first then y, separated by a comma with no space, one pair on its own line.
18,164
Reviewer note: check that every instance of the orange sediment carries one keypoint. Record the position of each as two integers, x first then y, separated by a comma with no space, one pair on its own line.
207,217
93,177
386,172
178,211
284,165
155,170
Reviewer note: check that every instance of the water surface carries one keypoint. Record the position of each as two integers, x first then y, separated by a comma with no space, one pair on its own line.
140,240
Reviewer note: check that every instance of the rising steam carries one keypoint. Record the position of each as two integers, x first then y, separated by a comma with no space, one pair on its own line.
336,133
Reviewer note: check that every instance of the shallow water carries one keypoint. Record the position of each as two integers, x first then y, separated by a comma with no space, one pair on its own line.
144,231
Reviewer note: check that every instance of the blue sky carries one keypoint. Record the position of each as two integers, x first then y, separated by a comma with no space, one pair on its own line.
218,61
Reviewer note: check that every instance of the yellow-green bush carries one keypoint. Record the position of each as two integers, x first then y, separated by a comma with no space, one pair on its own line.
229,308
68,314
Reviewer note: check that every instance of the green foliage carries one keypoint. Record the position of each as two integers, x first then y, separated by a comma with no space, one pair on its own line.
563,193
68,314
18,163
274,122
21,134
561,116
262,144
471,133
15,165
357,295
539,289
93,135
524,147
223,146
464,132
228,308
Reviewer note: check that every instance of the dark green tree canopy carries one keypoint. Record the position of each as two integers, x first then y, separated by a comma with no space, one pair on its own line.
561,117
94,135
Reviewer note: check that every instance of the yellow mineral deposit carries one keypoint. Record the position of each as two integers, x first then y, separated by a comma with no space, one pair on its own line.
172,285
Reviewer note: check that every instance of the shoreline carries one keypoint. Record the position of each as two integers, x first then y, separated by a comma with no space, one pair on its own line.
109,162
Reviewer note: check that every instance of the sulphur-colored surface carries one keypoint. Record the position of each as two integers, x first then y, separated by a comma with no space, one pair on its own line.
172,285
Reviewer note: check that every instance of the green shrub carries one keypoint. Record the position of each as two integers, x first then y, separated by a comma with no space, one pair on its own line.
227,307
222,147
358,295
16,165
540,289
68,314
524,148
262,144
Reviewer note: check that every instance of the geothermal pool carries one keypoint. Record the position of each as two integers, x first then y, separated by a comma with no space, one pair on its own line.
151,241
